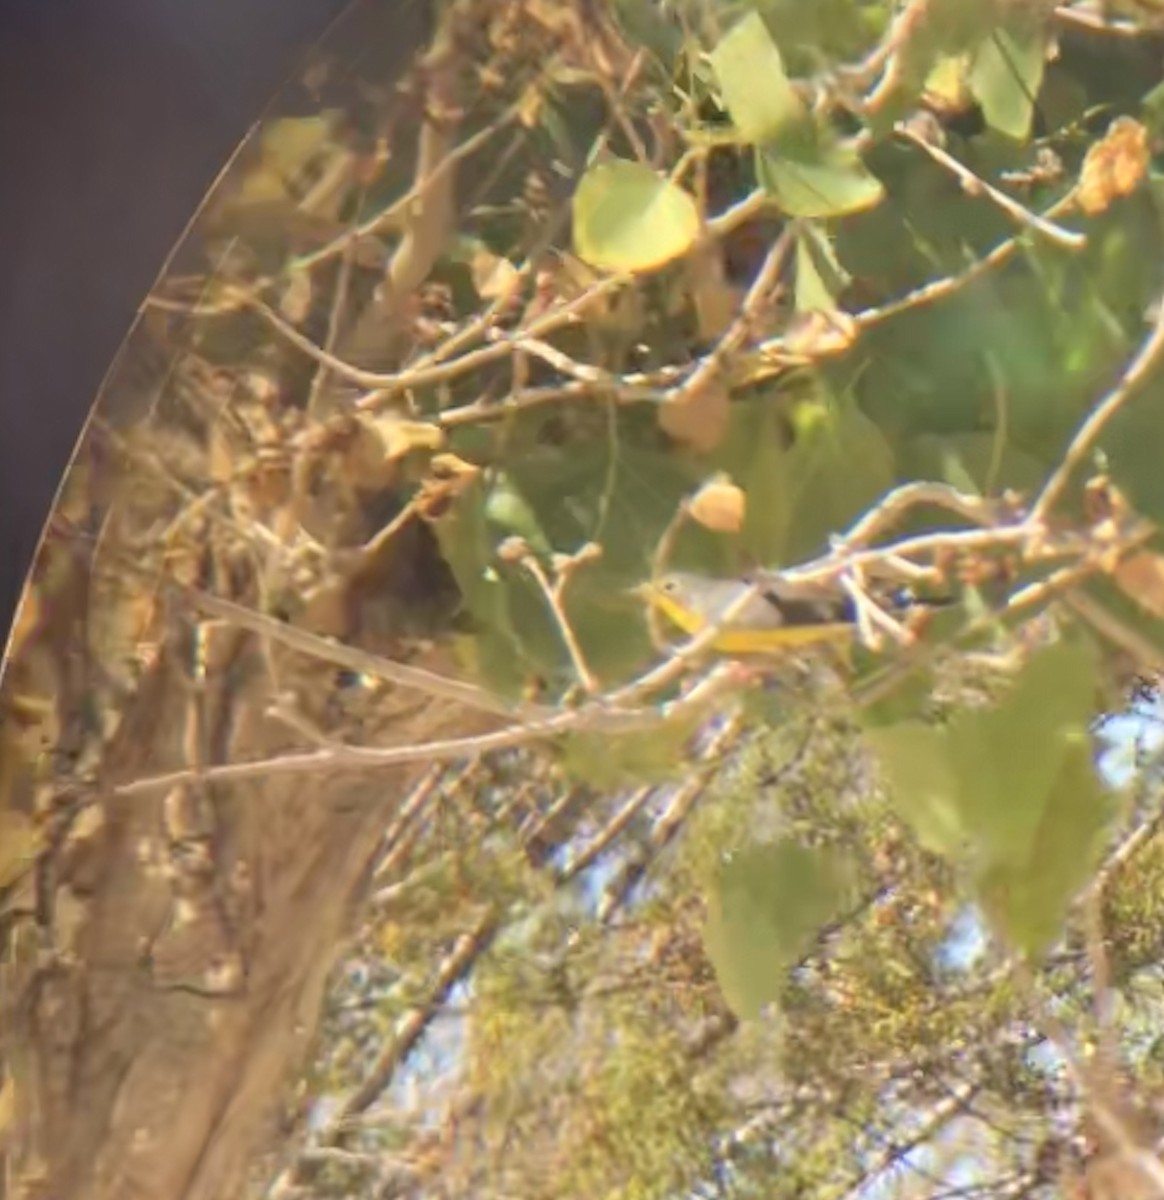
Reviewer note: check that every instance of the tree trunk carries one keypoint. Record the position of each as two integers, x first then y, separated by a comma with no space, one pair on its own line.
153,1052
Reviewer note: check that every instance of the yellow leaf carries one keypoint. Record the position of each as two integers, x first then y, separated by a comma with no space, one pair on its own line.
401,437
494,277
946,89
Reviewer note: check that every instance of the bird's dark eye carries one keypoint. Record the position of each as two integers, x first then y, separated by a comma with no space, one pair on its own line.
670,585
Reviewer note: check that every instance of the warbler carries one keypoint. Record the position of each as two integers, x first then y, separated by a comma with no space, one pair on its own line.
779,616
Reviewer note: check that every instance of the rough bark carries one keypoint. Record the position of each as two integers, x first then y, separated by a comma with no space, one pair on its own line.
155,1072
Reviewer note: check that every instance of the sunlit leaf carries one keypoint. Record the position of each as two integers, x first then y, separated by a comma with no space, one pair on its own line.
1131,443
629,218
508,509
972,462
768,903
753,455
1004,787
947,89
820,278
756,91
286,147
817,177
652,756
1006,74
1127,624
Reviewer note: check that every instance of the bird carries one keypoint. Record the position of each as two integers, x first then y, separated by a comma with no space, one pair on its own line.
778,616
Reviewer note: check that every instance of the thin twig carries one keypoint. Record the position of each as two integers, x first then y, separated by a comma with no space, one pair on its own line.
976,186
398,209
1133,376
554,594
360,661
335,316
597,716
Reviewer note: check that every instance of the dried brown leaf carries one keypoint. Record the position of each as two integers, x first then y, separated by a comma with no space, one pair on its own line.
1141,578
1114,166
716,300
697,416
719,506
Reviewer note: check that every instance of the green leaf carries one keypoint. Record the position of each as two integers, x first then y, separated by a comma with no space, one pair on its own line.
817,177
467,545
1028,900
976,785
509,510
755,88
1123,611
651,756
1131,443
769,902
629,218
839,463
820,278
924,789
1004,786
972,462
1006,75
753,455
651,27
558,499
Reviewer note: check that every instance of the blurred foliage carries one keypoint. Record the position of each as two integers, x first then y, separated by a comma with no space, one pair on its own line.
460,349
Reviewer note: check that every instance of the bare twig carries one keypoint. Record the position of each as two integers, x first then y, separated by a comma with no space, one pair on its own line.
759,294
976,186
940,289
315,406
577,860
1134,375
1142,650
359,660
394,214
682,800
409,1029
598,716
554,593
